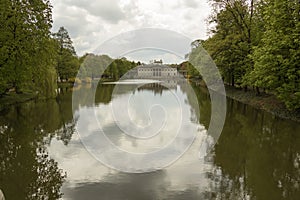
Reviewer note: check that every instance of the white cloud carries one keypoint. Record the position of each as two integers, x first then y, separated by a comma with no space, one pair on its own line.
108,10
91,22
191,3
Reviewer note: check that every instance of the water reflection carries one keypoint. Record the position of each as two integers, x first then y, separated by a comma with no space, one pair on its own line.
89,178
258,155
27,171
42,157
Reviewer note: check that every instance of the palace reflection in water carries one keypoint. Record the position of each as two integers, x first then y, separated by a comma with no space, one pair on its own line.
41,156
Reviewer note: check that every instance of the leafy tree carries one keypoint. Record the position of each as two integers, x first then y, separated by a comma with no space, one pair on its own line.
67,61
256,43
230,45
191,70
24,34
99,66
277,56
119,67
94,65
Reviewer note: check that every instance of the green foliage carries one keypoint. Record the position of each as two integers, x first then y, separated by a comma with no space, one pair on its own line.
191,70
230,44
67,61
118,68
93,65
3,84
256,43
102,66
25,44
276,58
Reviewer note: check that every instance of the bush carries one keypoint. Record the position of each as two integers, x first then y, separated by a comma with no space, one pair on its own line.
77,81
88,80
71,80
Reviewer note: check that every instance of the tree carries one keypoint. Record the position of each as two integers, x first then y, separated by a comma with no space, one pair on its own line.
191,70
99,66
67,61
94,65
256,43
24,44
231,43
118,68
277,56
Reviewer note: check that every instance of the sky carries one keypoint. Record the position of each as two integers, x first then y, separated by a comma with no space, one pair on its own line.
92,22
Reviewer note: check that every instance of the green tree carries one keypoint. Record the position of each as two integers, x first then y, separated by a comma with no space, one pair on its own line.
277,56
256,43
191,70
231,42
24,44
67,61
93,65
118,68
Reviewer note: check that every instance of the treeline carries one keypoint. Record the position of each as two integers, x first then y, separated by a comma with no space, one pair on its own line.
187,69
33,60
102,66
31,57
255,44
27,58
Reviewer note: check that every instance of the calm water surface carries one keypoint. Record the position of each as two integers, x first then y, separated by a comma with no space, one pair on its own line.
42,157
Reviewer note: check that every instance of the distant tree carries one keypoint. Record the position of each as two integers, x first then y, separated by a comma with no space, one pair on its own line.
67,61
191,70
118,68
64,41
93,66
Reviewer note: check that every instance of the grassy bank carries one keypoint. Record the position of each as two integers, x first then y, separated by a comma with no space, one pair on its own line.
266,102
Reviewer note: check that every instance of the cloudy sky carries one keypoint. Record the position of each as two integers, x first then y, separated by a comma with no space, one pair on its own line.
91,22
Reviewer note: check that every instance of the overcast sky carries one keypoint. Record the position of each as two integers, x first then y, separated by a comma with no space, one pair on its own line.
91,22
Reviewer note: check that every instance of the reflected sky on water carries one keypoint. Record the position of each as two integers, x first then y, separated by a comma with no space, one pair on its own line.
257,155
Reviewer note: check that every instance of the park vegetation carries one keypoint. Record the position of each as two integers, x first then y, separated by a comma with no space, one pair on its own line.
254,43
104,67
33,59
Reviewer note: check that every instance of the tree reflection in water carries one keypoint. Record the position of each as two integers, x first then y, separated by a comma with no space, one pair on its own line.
26,170
257,155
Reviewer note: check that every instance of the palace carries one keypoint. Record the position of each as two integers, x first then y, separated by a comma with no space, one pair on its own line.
156,70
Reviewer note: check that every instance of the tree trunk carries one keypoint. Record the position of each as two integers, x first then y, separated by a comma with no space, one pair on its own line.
257,91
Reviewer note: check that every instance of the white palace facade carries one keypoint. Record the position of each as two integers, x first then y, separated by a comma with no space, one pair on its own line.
156,70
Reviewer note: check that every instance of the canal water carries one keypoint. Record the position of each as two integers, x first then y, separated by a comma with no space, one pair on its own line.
42,156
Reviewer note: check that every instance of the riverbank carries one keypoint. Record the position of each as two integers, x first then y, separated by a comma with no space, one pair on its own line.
13,98
266,102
